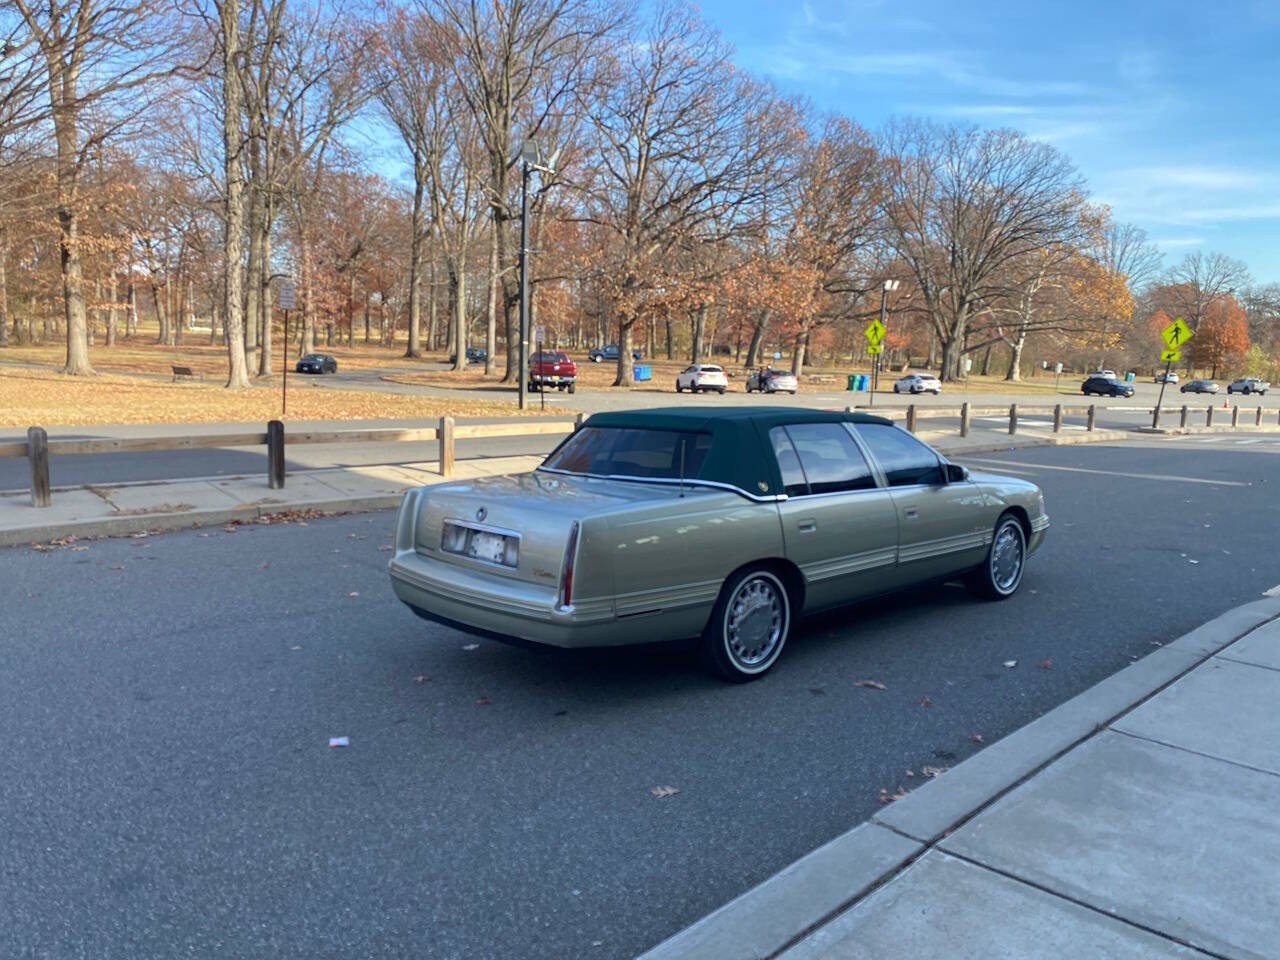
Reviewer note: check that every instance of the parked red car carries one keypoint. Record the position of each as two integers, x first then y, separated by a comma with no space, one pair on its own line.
552,368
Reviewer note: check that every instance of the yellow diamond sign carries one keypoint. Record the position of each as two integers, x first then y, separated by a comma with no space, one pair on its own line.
873,349
1172,355
874,332
1176,333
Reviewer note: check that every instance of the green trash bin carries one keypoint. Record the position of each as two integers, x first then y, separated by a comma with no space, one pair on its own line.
853,382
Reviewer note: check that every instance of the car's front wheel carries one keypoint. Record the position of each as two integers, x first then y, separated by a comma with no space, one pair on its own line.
1001,573
748,626
679,388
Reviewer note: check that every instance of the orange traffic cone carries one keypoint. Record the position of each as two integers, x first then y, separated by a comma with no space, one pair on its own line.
1224,404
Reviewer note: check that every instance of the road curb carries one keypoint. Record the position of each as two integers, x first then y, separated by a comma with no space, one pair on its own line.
1023,442
119,526
777,913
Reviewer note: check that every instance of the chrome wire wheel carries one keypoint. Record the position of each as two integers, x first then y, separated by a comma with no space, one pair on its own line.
1007,558
755,622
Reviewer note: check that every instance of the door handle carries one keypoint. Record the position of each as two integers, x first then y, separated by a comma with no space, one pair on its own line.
910,513
806,526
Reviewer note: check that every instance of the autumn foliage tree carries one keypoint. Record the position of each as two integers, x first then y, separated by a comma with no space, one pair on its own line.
1223,336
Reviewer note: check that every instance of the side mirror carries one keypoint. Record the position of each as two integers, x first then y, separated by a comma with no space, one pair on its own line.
956,473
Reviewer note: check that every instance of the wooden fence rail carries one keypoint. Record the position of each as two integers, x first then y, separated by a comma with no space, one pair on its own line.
39,449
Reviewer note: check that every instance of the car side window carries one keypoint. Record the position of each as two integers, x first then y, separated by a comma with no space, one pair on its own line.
794,483
904,459
829,457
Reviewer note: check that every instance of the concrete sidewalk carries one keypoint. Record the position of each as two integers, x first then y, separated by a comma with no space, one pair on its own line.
116,509
1137,820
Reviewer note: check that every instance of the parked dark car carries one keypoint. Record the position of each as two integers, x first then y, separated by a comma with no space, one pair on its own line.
317,363
1248,385
1106,387
610,352
1199,386
474,355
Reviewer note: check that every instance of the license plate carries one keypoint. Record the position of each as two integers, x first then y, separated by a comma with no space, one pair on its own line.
485,545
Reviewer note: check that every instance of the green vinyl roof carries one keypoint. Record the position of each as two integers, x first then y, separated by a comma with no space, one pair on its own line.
740,455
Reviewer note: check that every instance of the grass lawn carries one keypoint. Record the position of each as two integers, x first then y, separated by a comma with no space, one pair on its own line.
44,398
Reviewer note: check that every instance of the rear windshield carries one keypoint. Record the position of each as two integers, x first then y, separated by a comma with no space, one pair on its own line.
709,369
630,452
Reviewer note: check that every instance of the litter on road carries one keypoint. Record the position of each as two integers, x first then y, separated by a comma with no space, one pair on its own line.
339,741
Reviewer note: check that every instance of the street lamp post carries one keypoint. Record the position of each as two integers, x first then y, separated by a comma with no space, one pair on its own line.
889,285
530,159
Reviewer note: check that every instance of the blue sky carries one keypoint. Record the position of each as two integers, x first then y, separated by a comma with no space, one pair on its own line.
1169,109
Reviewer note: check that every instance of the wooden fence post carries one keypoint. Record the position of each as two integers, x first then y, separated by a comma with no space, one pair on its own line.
1093,411
445,435
1235,415
1013,418
1057,418
911,417
1208,417
1258,421
1183,421
964,419
38,454
577,422
275,454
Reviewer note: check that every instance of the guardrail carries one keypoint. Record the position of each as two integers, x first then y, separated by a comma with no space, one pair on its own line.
38,447
915,413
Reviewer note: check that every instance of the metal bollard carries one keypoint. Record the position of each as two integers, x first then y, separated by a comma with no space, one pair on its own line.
1183,421
1057,418
964,419
275,455
911,417
1093,410
444,433
1013,418
38,454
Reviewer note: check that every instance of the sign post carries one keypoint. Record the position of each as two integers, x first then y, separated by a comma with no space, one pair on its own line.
1174,336
285,298
539,334
874,332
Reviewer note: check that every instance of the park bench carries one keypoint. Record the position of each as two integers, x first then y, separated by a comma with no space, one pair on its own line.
185,372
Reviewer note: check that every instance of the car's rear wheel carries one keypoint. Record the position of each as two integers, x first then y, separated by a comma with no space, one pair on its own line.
748,626
1001,572
679,389
573,388
721,391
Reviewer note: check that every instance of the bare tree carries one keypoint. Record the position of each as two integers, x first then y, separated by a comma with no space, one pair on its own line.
102,59
960,205
1202,278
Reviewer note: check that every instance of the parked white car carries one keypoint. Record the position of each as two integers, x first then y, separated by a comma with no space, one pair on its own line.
918,383
701,377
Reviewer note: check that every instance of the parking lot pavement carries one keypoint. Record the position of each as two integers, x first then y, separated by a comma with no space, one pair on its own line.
167,704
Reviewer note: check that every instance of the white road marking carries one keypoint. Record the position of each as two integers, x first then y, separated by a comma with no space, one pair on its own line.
1243,442
1273,592
1110,473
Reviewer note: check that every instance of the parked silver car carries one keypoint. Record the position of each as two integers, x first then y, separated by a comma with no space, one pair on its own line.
719,525
769,380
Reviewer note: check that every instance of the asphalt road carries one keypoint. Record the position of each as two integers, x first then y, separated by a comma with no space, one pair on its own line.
182,464
167,788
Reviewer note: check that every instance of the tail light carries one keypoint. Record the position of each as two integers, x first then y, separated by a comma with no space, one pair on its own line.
570,556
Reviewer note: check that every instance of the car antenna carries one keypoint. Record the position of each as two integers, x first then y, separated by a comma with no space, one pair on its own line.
683,441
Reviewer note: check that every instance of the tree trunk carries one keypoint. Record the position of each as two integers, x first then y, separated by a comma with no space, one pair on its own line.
112,310
72,279
308,344
669,355
624,352
757,335
798,354
4,289
986,361
367,298
414,348
162,314
491,314
351,309
699,325
931,358
266,303
254,334
233,305
1015,359
131,315
458,287
951,354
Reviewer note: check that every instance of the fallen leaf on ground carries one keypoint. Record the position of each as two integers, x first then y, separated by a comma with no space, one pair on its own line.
483,701
295,648
661,792
873,684
934,771
354,593
117,566
1046,663
926,702
887,797
263,565
421,678
911,773
471,646
1011,663
386,548
976,738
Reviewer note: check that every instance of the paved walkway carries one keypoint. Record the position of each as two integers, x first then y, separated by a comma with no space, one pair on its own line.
1137,820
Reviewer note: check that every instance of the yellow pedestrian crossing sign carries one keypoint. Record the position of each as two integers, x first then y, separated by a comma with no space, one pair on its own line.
874,333
873,349
1171,355
1176,333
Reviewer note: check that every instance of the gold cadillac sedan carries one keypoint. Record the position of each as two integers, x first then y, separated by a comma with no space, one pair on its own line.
723,525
